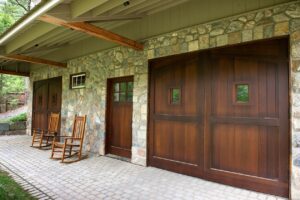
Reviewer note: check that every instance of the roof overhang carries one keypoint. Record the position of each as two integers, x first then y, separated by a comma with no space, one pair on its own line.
58,30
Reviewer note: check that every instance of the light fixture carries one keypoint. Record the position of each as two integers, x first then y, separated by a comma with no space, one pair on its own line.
126,3
29,19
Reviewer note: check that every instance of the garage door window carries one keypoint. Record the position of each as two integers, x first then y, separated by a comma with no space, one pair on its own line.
175,95
242,93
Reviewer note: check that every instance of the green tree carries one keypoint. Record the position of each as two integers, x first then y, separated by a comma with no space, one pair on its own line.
22,5
5,21
10,83
12,10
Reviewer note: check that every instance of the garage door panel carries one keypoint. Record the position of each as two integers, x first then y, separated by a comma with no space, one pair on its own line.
268,104
176,141
272,87
260,78
232,125
183,78
246,149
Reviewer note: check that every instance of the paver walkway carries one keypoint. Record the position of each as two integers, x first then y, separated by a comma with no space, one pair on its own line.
105,178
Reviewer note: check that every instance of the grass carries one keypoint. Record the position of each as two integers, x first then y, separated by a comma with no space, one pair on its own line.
17,118
10,190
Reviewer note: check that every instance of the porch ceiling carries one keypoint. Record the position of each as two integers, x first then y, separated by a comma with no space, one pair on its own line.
41,39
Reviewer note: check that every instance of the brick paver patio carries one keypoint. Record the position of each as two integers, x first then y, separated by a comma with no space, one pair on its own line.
105,178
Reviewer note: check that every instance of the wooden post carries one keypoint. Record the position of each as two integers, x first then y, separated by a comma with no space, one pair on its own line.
6,102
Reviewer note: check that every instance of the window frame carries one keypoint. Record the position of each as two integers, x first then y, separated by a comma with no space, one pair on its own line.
120,91
234,86
72,76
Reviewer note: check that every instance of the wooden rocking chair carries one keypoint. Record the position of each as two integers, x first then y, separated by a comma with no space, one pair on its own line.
39,136
72,146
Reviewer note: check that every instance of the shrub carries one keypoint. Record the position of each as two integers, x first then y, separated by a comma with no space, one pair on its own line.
19,118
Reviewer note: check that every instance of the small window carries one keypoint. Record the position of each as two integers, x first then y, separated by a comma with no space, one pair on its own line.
242,93
77,81
123,92
116,87
130,86
175,95
123,86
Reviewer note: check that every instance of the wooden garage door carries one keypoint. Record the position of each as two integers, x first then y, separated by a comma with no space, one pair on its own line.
46,99
223,115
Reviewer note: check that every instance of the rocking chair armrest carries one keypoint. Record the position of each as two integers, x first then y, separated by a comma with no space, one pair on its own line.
63,136
71,142
71,138
51,132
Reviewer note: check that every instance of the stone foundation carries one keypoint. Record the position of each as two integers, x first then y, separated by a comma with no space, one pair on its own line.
283,20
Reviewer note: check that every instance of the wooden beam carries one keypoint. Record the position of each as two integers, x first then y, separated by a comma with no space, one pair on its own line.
2,71
94,31
35,60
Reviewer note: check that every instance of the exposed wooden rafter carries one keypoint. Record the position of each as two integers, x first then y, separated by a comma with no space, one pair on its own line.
2,71
35,60
94,31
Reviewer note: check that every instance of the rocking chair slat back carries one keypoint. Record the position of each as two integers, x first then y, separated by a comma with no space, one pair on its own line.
53,122
79,127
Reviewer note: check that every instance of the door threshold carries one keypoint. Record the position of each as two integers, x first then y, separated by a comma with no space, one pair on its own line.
118,157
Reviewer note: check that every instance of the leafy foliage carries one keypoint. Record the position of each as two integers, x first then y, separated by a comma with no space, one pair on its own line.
5,21
22,6
12,10
18,118
10,83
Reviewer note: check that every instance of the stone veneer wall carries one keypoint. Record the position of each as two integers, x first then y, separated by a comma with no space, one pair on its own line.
276,21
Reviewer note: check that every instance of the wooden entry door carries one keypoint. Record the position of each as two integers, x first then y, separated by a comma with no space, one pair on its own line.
227,120
119,116
46,99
